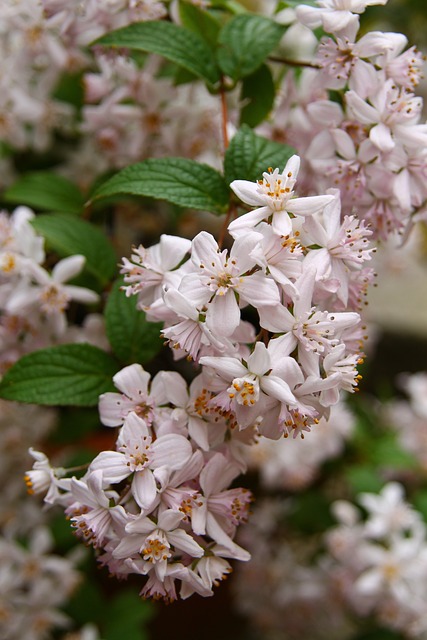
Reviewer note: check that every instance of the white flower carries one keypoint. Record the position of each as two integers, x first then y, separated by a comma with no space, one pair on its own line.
275,197
141,456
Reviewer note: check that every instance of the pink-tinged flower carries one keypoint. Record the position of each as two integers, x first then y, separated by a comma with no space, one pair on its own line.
393,112
343,246
191,333
135,397
149,270
43,478
140,455
220,278
218,511
250,387
279,256
156,542
275,198
307,327
342,62
335,16
51,294
389,513
92,513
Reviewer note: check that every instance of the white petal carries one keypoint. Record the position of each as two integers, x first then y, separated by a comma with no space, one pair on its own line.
171,450
309,205
113,465
247,192
144,488
259,360
183,541
67,268
223,314
131,380
228,368
381,137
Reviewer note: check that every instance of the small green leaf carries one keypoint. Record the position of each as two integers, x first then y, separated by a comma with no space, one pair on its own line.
175,43
127,617
180,181
47,191
257,103
68,235
249,155
132,338
245,42
68,374
364,477
200,21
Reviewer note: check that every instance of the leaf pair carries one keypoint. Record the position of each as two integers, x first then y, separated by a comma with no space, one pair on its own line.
243,44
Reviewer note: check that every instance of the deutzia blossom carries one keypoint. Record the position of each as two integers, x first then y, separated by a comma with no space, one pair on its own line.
275,197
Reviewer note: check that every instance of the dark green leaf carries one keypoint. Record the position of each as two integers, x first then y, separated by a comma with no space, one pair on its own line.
169,40
245,42
311,512
200,21
69,374
364,477
126,616
249,155
258,93
47,191
132,338
69,235
180,181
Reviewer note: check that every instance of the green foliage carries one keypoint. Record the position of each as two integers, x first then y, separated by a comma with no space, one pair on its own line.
378,634
68,374
311,512
200,22
125,617
257,104
183,182
46,191
245,42
249,155
175,43
364,477
75,423
69,235
132,338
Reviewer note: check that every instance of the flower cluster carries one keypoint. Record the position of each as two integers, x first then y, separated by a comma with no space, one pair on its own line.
369,140
413,414
34,301
381,563
373,566
296,271
35,585
159,505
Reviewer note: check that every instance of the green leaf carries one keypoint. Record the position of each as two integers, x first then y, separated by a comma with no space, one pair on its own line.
364,477
248,155
47,191
311,512
199,21
245,42
126,617
68,374
180,181
68,235
169,40
257,103
385,452
132,338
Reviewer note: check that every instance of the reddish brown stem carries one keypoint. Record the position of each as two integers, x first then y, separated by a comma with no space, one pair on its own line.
224,114
294,63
